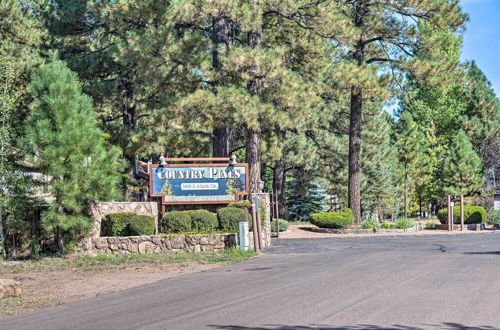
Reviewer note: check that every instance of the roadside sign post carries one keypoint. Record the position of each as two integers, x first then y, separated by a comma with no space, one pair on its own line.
450,214
256,202
462,212
256,245
276,211
243,227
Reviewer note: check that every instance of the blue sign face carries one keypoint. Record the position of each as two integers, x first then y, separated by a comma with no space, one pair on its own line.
197,184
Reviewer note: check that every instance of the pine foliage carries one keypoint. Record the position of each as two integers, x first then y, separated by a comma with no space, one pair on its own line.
462,167
64,143
303,197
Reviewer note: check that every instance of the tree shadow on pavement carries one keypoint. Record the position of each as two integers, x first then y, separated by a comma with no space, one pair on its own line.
444,325
484,252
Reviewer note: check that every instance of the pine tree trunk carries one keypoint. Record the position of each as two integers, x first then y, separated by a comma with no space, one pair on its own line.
58,236
354,184
59,240
279,186
253,147
406,193
354,187
221,33
127,103
129,121
2,237
220,142
254,134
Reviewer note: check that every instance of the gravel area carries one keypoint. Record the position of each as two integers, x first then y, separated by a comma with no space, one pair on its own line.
299,231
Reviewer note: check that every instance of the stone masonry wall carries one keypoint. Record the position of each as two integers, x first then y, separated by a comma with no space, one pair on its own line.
99,210
266,227
159,244
164,243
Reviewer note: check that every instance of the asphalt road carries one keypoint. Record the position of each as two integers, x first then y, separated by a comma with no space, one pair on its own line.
398,282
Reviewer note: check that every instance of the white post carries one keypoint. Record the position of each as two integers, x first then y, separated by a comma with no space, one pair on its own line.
243,235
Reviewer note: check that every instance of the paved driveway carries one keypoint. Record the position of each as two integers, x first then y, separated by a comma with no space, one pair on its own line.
398,282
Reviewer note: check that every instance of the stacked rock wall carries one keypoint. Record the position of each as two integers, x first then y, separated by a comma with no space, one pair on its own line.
99,210
159,244
164,243
266,226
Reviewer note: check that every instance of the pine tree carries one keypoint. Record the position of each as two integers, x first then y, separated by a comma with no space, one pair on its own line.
462,168
20,41
411,154
482,121
303,197
379,166
63,142
416,36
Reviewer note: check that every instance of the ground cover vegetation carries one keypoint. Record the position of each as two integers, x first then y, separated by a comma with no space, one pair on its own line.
127,224
298,89
472,214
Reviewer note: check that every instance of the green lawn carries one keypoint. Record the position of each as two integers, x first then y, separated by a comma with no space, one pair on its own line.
102,261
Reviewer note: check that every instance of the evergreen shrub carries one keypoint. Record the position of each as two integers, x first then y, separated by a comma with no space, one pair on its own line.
494,217
404,223
472,214
203,220
240,204
346,210
229,217
283,225
370,224
140,225
128,224
113,224
387,225
336,220
430,225
176,222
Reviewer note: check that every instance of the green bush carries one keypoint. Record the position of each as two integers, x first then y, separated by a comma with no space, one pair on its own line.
494,217
203,220
283,224
140,225
386,225
176,222
430,225
404,223
240,204
370,224
113,224
346,210
336,220
128,224
229,217
472,214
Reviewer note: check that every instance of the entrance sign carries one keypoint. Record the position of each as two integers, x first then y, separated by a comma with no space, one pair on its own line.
198,183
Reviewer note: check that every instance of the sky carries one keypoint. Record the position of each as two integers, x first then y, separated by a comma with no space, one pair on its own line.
482,37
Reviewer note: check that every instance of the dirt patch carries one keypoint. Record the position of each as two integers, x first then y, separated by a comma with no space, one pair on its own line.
300,231
50,288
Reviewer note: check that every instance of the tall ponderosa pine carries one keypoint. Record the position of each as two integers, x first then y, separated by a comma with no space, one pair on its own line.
253,82
399,36
21,35
64,143
482,121
462,168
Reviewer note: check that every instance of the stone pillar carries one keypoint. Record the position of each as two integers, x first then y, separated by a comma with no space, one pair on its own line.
266,226
98,211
